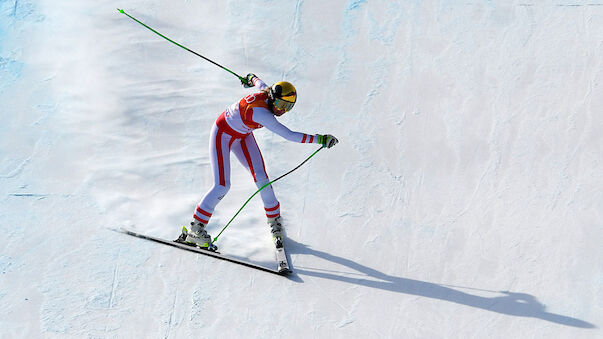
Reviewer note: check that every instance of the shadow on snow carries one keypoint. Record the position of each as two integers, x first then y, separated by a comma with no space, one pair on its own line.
510,303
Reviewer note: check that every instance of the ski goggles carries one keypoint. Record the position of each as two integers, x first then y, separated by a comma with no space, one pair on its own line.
283,104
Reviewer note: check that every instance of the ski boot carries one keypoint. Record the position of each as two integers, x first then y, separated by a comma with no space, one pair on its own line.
197,236
277,231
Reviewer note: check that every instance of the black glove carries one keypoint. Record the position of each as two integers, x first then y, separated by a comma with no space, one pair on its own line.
247,82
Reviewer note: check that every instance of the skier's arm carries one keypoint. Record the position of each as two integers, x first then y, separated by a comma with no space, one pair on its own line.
259,83
253,80
267,119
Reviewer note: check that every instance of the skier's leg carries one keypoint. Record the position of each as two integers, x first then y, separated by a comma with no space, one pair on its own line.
219,150
250,156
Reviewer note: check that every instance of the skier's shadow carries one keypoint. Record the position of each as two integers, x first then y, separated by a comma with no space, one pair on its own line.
510,303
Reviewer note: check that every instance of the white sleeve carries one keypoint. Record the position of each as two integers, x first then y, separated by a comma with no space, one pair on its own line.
259,83
265,118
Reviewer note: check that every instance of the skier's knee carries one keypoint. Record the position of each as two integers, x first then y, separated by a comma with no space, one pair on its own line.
221,190
226,187
261,182
260,177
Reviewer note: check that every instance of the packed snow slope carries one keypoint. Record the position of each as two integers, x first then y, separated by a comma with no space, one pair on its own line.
463,200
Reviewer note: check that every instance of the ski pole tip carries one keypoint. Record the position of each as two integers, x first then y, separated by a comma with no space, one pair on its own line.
121,11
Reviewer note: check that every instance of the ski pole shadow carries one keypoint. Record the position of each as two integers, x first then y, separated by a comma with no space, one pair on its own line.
509,303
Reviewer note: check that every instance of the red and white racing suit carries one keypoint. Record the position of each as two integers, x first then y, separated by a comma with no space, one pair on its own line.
233,131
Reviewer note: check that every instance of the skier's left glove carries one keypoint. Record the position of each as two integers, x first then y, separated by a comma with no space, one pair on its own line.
247,82
327,140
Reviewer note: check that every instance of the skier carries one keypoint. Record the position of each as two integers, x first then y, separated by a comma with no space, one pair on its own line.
233,131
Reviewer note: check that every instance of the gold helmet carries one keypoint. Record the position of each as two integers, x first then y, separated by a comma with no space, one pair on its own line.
283,95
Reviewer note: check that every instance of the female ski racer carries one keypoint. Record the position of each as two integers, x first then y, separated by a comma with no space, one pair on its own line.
233,132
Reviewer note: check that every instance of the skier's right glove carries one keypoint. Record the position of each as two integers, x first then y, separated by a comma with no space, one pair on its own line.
248,81
327,140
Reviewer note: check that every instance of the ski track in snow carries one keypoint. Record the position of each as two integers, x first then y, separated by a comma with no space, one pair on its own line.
463,199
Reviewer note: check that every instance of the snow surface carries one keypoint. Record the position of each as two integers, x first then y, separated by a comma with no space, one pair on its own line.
464,199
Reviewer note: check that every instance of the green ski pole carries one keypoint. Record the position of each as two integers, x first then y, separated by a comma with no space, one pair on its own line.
261,188
243,80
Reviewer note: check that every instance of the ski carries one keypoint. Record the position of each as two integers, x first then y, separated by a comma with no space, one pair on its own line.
216,255
281,259
281,256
